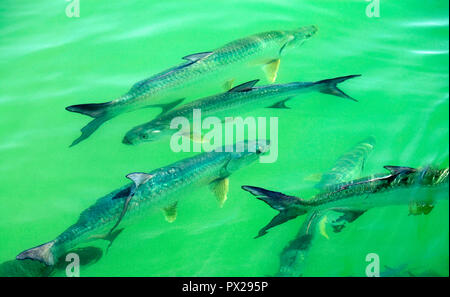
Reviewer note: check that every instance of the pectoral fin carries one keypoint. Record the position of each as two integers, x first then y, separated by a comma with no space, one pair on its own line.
347,216
166,107
271,70
195,137
281,104
110,236
323,227
220,189
418,208
170,212
228,85
314,177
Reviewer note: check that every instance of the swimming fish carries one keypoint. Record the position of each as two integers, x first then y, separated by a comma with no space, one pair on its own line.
349,165
293,258
419,188
239,99
161,189
169,88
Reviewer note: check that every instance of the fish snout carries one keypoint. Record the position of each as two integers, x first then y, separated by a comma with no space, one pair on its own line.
262,147
306,32
126,141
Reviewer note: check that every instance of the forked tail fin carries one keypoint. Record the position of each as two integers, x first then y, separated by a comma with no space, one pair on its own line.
94,110
289,206
41,253
98,111
329,86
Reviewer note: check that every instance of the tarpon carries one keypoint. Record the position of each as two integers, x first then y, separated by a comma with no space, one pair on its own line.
349,165
419,188
218,67
160,189
238,100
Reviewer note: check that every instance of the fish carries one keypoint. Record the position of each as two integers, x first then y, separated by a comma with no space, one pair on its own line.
160,189
418,188
218,67
350,165
28,268
241,98
294,255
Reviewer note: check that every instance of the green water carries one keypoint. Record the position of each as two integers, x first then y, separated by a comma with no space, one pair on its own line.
49,61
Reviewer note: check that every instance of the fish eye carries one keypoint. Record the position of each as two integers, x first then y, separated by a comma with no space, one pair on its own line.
144,136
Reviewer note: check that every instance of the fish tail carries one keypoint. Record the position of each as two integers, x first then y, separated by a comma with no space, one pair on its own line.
90,128
98,111
94,110
281,202
42,253
329,86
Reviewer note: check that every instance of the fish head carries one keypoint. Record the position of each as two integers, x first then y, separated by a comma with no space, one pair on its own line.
244,153
297,37
146,133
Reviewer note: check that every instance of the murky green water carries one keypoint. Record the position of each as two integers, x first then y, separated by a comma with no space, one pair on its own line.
49,61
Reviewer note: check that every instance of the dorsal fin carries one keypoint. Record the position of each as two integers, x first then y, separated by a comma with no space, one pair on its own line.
139,178
396,170
197,56
247,86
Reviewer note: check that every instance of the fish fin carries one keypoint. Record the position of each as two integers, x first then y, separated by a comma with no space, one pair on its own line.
166,107
397,170
281,104
348,216
281,202
90,128
220,189
271,70
111,237
198,56
94,110
279,219
418,208
124,211
244,87
276,200
228,85
170,212
323,227
314,177
195,137
41,253
139,178
329,86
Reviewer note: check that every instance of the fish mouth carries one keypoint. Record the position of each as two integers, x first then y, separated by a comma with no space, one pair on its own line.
262,147
126,141
307,31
